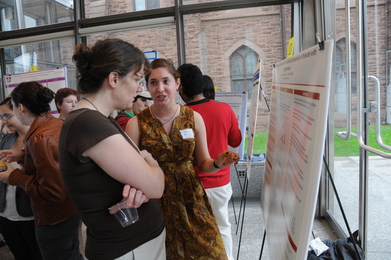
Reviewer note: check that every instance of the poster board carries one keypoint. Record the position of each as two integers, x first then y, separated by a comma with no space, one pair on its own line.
297,129
51,78
238,103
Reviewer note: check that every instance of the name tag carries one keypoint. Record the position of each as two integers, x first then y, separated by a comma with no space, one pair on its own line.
187,133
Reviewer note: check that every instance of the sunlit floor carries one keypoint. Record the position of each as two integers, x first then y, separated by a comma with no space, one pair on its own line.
248,238
253,230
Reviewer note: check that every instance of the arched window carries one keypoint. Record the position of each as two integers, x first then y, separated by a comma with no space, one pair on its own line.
243,62
340,68
141,5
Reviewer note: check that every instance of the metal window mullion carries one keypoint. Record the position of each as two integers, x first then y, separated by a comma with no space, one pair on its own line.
180,33
362,129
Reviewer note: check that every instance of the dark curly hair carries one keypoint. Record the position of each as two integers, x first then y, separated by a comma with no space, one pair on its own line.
191,79
34,96
110,55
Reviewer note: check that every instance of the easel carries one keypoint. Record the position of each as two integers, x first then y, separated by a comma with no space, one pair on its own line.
243,200
257,87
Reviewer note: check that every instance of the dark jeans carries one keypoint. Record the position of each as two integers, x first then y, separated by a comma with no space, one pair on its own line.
60,241
20,238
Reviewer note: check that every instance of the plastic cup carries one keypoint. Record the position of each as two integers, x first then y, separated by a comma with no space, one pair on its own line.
126,216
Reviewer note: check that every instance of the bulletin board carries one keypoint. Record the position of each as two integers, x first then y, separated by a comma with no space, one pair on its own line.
51,78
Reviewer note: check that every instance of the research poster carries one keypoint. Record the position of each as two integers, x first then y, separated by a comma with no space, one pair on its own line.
51,78
297,128
238,103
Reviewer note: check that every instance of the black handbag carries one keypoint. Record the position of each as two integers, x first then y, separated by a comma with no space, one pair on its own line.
340,249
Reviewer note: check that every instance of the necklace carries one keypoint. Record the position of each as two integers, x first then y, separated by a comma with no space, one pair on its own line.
172,116
91,104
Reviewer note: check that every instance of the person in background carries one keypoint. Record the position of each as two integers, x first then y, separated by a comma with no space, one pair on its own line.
222,130
56,216
66,99
16,215
141,101
175,136
3,131
101,166
209,87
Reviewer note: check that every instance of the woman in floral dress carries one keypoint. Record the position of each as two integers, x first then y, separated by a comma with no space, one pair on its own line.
176,137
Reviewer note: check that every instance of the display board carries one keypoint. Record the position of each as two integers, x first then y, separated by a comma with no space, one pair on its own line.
51,78
297,128
238,103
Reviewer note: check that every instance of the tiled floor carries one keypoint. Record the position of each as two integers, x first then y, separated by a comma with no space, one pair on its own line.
252,232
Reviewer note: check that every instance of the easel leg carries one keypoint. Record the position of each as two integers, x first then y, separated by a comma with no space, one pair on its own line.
244,195
263,243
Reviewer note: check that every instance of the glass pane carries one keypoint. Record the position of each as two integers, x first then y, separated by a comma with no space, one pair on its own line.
237,66
153,4
251,63
41,56
142,39
243,51
346,153
107,7
140,5
214,51
226,45
238,85
339,59
187,2
379,184
353,58
249,84
347,159
32,13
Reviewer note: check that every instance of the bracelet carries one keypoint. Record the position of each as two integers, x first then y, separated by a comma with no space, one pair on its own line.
215,165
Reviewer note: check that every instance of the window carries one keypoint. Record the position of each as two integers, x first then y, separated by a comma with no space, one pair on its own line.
41,56
243,63
340,68
146,4
28,14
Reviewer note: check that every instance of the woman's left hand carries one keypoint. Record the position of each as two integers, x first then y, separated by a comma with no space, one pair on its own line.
226,158
134,197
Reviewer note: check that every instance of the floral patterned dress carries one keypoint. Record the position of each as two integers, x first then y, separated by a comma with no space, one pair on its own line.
192,231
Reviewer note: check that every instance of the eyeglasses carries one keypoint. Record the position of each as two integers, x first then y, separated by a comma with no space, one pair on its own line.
6,117
142,83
